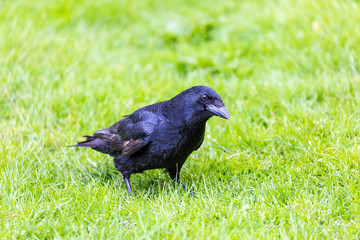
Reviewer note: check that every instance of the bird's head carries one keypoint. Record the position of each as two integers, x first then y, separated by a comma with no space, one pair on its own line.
201,102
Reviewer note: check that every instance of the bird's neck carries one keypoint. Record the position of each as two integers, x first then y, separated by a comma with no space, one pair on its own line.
181,115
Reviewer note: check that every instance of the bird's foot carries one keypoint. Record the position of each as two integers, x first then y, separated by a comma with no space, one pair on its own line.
192,193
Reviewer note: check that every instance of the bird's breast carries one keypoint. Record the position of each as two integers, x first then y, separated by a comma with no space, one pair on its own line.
177,143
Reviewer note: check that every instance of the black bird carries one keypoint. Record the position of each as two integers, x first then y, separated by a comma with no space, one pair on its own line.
161,135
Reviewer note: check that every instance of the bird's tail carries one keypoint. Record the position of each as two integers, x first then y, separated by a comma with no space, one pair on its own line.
90,141
97,143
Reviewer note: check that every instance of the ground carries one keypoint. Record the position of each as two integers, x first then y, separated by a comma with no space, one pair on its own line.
286,165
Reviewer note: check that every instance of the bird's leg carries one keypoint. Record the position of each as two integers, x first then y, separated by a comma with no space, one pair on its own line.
125,174
177,179
175,176
126,178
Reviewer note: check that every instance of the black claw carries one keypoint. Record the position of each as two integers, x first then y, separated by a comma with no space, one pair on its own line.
192,193
182,184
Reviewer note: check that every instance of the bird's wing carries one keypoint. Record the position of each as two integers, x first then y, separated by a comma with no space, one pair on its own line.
133,132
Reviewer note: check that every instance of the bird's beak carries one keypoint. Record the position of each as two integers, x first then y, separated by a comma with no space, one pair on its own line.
218,109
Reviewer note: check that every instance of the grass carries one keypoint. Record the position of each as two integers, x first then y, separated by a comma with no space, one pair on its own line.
286,165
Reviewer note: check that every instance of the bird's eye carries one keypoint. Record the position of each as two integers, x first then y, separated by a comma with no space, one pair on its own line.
204,97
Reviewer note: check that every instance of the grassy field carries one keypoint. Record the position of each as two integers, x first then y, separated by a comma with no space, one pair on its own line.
286,165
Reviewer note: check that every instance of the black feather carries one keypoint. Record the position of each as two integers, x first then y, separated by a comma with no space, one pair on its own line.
161,135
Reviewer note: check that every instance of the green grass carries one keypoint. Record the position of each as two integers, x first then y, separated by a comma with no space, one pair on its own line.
286,165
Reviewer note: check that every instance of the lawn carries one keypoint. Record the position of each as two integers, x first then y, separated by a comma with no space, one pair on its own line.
286,165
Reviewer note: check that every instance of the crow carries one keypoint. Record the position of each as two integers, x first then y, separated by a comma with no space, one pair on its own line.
161,135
